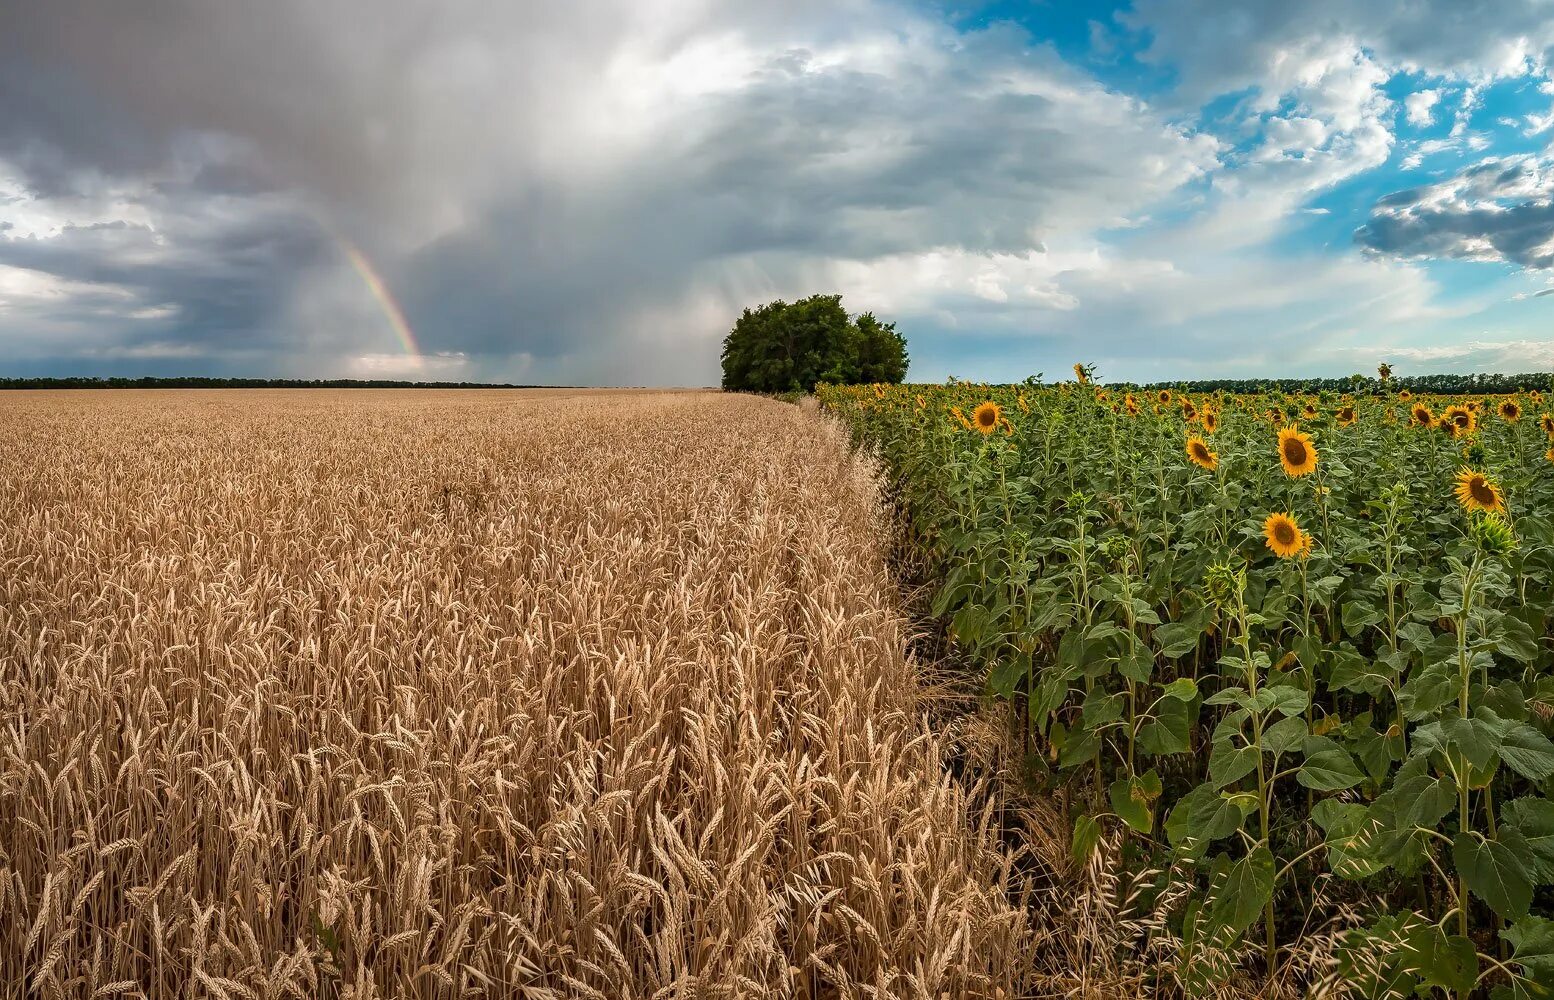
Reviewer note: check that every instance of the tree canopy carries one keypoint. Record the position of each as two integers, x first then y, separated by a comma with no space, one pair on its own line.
791,346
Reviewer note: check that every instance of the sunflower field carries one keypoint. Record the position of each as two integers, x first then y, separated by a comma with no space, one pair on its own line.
1285,654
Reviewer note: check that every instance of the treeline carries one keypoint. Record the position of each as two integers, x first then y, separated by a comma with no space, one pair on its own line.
199,382
1446,385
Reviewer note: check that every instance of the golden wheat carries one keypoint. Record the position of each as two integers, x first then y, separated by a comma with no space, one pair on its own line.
378,694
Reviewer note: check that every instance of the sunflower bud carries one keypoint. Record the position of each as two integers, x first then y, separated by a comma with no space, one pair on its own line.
1225,584
1493,534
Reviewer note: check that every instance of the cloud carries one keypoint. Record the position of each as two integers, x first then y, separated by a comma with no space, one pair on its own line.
1499,209
530,180
1420,107
1216,51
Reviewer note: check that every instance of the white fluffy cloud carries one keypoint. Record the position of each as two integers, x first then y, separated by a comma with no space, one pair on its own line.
1420,106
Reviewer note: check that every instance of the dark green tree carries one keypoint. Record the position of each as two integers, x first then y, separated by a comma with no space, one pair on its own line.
790,346
880,351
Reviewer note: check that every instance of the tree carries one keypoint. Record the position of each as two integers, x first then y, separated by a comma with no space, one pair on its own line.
881,351
788,347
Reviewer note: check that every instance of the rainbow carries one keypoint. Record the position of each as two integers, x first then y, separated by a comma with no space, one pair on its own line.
385,299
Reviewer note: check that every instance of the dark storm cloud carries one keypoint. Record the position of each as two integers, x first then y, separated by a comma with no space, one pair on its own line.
1498,209
540,180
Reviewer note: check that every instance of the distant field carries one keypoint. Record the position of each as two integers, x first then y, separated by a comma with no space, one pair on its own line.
435,694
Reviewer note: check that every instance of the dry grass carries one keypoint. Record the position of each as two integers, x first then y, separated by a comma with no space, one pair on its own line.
468,694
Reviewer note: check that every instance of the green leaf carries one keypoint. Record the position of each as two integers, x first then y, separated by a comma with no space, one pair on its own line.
1285,735
1137,664
1006,675
1427,689
1515,639
1358,616
1229,763
1450,962
1081,747
1329,771
1132,802
1226,696
1237,895
1533,941
1287,701
1202,816
1473,739
1527,752
1182,689
1533,818
1345,824
1495,872
1169,732
1176,639
1087,834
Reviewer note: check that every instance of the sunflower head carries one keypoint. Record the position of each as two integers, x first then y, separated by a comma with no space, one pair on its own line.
1509,411
1405,395
1421,416
1189,411
987,417
1310,410
1549,455
1210,421
922,404
1346,415
1284,536
1296,453
1082,374
1199,454
1131,405
1459,420
1547,423
1163,396
1476,493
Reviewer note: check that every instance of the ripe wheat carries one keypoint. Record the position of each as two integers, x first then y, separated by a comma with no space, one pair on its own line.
469,694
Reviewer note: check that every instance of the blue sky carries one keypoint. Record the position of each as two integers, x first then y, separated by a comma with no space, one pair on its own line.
525,191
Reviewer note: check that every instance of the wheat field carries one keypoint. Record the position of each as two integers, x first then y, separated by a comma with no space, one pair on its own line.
488,694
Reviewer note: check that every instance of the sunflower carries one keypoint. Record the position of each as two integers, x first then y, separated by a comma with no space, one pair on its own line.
1549,454
1189,411
1510,412
1296,453
1200,455
1131,405
1547,423
1210,421
1163,396
1346,416
1405,395
1420,416
960,417
1284,536
1080,374
1475,492
1459,420
1022,404
987,417
922,404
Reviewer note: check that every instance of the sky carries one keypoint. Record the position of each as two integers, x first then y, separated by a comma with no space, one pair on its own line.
589,193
